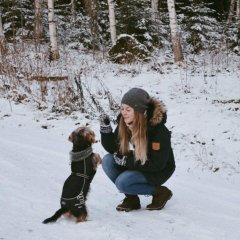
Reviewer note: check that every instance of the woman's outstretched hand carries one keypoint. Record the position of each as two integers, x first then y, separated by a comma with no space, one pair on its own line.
105,125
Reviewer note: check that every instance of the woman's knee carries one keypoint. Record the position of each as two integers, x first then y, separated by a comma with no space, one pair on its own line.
127,181
122,183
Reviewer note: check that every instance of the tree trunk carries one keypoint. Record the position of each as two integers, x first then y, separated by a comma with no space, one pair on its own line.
231,11
92,11
38,23
154,6
112,21
1,26
175,35
94,25
54,53
73,9
3,48
238,21
238,9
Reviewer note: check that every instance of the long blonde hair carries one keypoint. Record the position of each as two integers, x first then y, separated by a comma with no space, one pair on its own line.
137,136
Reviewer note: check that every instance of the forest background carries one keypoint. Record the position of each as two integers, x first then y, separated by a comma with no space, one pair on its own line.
85,24
33,34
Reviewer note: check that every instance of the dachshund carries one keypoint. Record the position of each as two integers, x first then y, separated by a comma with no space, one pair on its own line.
83,166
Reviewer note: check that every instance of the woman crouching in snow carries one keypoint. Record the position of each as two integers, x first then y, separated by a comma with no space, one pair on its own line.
140,155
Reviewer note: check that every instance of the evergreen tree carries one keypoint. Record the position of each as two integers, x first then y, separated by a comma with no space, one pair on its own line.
134,18
73,27
103,23
232,26
17,18
199,24
163,24
76,30
221,8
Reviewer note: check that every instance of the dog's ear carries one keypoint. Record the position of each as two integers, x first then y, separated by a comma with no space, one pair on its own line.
70,138
90,136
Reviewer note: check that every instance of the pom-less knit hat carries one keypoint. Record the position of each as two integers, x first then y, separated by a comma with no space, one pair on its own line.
136,98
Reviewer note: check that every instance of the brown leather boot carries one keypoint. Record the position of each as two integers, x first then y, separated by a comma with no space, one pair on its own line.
160,198
130,202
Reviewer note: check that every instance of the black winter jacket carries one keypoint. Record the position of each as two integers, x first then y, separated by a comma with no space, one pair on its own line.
160,164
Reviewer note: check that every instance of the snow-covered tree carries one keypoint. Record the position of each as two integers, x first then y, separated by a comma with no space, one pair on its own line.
104,25
238,22
154,6
233,26
161,25
112,21
1,26
200,26
231,10
2,38
134,18
175,33
92,12
17,19
54,52
38,22
73,8
73,24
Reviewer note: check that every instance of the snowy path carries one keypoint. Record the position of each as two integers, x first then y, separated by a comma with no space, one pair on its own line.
34,165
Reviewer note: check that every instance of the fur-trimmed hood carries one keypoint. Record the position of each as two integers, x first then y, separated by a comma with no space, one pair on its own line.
157,112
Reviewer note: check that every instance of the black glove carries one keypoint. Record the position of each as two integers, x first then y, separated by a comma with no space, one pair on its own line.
105,126
120,159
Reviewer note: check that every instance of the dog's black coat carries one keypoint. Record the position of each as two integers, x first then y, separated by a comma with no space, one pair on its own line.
76,186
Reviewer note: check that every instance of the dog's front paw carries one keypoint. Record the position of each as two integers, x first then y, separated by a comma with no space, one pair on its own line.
81,219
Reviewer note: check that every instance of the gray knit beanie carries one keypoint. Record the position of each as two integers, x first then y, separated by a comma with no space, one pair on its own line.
136,98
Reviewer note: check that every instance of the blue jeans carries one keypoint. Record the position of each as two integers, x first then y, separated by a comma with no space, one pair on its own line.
126,181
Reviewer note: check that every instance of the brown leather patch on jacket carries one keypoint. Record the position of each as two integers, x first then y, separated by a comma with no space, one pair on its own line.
156,145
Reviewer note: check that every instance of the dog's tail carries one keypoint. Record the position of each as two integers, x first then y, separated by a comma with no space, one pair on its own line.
56,215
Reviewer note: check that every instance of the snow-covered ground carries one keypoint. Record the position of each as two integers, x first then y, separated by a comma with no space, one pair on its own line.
206,185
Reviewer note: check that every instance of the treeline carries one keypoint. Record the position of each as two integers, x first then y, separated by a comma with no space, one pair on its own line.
85,24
